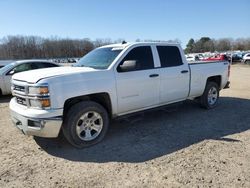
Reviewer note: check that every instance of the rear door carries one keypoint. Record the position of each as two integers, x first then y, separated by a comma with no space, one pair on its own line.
138,88
174,75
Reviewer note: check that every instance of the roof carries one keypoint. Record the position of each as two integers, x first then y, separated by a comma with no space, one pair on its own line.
123,46
32,60
5,62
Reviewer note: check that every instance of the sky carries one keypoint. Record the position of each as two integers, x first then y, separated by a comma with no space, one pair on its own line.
128,19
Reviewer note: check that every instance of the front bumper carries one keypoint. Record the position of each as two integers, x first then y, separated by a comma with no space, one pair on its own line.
48,127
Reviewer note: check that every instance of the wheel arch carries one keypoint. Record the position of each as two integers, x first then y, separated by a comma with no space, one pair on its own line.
100,98
216,79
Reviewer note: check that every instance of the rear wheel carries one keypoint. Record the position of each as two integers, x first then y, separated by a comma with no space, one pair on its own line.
86,124
210,97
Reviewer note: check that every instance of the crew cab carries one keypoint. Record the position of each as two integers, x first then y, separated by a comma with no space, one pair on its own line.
110,82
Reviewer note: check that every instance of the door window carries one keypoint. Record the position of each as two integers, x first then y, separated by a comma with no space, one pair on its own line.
40,65
20,68
169,56
142,56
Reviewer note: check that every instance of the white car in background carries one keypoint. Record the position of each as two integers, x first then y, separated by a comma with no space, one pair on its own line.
192,57
10,69
246,58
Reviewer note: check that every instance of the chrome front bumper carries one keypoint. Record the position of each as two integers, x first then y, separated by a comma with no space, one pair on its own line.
42,127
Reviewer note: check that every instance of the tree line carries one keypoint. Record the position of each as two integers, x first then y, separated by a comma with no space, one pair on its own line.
28,47
206,44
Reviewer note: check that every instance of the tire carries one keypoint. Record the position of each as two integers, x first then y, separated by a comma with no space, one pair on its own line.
210,96
85,124
247,62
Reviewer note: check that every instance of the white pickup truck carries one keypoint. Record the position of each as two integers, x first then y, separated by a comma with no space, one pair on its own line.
110,81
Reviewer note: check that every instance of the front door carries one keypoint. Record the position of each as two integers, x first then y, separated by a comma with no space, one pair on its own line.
137,88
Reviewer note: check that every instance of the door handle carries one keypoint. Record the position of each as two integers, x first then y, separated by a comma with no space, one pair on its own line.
184,71
153,75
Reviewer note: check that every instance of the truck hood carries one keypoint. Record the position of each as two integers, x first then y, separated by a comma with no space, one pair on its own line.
34,76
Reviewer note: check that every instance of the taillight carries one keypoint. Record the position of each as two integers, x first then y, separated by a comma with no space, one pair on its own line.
229,67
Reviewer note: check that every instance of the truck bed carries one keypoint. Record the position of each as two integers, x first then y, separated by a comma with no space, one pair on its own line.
204,69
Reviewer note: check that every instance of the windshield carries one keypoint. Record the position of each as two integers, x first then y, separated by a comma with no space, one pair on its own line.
99,58
6,68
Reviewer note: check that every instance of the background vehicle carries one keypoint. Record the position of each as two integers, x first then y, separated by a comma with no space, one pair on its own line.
246,58
109,82
221,57
236,57
10,69
192,57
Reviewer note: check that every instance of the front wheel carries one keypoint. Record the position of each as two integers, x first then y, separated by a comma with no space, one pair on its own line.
86,124
210,97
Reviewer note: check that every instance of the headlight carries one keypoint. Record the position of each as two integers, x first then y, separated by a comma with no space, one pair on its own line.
40,103
39,96
38,90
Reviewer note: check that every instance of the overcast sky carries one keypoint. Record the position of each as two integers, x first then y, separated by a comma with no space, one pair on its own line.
128,19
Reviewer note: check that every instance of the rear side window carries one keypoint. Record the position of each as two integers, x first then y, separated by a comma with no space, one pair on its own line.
50,65
143,57
38,65
169,56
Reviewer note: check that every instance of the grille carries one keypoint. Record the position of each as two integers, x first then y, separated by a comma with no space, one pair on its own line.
19,88
21,101
19,92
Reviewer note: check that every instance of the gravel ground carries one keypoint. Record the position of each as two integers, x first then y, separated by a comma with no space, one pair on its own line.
182,146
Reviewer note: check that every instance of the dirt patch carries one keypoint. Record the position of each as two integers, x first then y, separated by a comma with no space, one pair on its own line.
181,146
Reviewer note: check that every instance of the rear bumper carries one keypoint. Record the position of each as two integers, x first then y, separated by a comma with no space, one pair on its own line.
227,85
48,127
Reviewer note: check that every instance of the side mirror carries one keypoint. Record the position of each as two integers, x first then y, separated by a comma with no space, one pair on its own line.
128,66
11,72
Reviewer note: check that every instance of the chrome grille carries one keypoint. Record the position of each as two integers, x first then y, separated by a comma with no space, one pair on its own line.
21,101
20,93
19,88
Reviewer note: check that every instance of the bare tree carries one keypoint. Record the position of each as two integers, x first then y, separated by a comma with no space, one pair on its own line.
27,47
